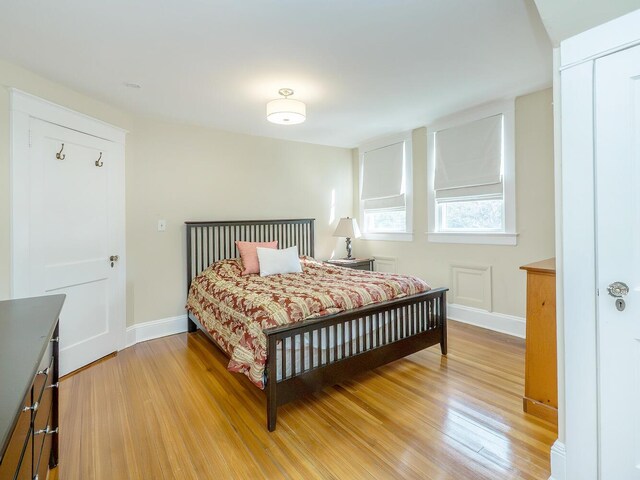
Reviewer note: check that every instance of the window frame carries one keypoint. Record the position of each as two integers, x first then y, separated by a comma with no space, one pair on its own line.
407,235
507,236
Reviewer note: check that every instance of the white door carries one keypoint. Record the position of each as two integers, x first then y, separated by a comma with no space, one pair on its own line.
76,224
617,133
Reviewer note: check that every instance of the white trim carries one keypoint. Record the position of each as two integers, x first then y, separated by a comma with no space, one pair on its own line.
579,275
602,40
24,107
407,138
392,237
558,461
557,152
50,112
497,238
509,236
579,272
141,332
498,322
20,139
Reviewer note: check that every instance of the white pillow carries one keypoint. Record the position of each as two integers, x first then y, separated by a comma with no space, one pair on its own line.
274,261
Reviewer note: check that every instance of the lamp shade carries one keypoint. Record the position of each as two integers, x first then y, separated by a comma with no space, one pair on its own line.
347,227
286,111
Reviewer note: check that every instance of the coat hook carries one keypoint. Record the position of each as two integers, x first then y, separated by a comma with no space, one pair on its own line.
99,161
60,155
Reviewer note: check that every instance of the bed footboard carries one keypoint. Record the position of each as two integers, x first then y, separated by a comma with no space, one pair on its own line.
305,357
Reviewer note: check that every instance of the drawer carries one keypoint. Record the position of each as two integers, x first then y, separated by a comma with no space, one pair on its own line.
362,267
26,465
42,444
43,378
41,415
17,444
46,358
43,466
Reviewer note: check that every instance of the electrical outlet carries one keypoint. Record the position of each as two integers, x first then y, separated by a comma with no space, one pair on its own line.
162,225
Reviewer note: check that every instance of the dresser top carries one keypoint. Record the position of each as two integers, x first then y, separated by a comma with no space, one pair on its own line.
26,326
543,266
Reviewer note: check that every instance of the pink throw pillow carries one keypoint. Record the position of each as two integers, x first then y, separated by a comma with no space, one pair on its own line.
249,255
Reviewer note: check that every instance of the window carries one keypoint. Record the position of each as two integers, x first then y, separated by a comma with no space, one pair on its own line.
471,177
385,189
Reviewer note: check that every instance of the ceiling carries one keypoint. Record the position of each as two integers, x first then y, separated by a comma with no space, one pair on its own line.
365,68
566,18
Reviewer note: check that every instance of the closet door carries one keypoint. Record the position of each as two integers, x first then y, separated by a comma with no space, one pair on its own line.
617,154
76,237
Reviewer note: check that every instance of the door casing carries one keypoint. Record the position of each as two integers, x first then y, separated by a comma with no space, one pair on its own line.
578,452
23,108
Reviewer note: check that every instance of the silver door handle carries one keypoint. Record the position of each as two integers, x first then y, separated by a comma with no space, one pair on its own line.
618,289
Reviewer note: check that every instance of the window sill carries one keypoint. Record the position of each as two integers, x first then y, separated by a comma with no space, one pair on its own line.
393,237
484,238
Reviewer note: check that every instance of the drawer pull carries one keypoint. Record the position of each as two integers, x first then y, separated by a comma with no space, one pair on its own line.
55,339
44,372
33,407
54,385
46,431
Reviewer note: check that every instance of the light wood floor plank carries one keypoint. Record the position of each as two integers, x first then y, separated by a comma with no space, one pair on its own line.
169,409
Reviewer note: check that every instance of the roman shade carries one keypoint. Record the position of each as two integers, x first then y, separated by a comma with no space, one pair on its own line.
382,172
469,159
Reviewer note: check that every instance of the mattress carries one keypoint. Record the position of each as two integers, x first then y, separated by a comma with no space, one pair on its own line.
236,309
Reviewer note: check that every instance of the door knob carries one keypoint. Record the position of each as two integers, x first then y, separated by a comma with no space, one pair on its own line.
618,289
113,258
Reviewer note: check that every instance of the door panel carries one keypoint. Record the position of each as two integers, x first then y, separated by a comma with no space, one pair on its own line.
75,226
75,273
617,113
76,195
84,319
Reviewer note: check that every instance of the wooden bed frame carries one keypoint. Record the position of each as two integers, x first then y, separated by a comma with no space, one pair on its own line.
379,333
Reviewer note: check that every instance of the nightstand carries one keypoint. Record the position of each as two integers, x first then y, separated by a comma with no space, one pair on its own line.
354,263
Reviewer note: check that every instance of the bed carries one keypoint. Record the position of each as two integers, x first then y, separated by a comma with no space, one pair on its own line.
324,349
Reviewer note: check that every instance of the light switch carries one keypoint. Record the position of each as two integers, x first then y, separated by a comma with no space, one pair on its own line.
162,225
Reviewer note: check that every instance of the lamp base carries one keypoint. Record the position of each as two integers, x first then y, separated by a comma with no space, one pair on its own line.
348,241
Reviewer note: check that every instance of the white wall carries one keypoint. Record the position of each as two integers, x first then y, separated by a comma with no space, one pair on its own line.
13,76
563,19
534,215
177,172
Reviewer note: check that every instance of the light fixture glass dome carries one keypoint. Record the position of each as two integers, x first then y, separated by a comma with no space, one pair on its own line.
285,111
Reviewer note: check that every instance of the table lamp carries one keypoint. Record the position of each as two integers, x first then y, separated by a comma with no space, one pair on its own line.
347,227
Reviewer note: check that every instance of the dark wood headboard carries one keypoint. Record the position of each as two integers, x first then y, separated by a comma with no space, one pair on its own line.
208,242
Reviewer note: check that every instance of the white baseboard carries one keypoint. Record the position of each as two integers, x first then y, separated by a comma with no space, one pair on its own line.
141,332
558,461
499,322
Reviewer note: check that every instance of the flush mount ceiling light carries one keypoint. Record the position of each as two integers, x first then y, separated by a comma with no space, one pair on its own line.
285,111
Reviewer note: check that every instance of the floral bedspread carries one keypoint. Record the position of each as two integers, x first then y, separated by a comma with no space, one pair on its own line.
236,309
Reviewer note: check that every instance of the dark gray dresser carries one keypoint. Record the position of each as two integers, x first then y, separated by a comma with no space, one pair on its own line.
29,386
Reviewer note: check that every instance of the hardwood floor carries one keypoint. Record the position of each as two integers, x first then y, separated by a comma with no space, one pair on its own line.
168,409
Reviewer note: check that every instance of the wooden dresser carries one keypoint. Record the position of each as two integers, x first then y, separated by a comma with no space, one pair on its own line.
29,386
541,373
